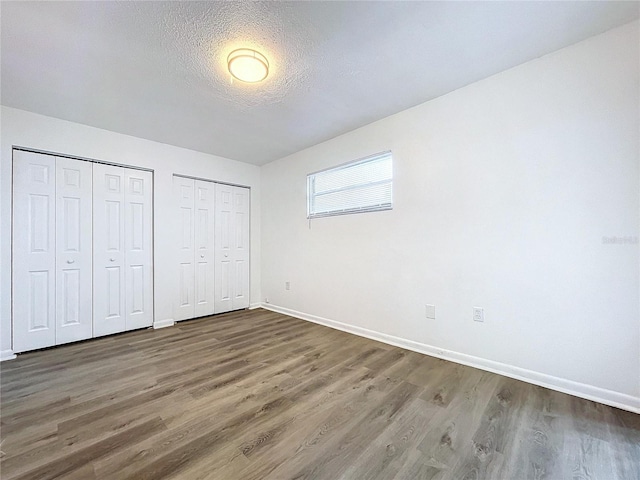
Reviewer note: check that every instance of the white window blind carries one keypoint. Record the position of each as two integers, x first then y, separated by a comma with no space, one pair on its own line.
361,186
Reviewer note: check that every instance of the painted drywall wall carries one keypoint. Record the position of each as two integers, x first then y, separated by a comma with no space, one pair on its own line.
25,129
508,194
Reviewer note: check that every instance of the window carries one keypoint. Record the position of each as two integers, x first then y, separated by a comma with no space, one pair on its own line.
361,186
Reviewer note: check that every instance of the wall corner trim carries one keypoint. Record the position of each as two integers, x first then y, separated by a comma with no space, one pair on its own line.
255,305
577,389
7,355
167,322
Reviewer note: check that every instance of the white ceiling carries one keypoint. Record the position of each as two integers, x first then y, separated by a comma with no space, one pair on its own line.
156,70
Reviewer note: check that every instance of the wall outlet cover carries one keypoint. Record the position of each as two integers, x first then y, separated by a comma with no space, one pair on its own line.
430,311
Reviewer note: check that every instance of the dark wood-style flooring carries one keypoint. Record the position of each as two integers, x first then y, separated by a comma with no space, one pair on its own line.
259,395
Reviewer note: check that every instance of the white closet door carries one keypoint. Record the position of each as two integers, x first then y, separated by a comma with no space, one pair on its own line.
240,228
73,250
34,312
185,229
232,248
109,310
138,257
223,251
204,253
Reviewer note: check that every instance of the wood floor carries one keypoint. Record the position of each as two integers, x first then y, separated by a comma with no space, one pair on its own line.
258,395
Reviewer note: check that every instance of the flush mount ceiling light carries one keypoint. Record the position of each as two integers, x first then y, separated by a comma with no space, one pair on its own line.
247,65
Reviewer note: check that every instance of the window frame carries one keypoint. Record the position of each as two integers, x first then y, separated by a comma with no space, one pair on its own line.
311,195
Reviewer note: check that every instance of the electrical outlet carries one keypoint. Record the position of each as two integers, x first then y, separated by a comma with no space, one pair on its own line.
430,311
266,299
478,314
287,285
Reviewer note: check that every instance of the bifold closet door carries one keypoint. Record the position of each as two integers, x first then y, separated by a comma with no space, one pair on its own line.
183,189
204,252
138,243
51,250
231,248
195,277
34,256
73,250
108,250
122,249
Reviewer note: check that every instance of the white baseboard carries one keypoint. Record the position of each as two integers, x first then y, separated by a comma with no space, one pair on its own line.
167,322
7,355
255,305
582,390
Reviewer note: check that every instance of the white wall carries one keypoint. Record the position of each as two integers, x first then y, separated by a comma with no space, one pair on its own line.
26,129
503,192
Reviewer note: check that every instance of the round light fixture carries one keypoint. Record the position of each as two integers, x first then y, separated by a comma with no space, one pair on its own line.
247,65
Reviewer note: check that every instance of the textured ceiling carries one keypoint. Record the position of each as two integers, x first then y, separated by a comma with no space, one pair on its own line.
157,70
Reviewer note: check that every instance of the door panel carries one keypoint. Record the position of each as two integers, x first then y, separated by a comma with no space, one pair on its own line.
223,250
33,279
109,312
232,248
138,249
241,250
74,304
183,190
204,252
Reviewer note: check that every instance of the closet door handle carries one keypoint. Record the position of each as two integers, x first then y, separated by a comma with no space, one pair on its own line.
70,261
202,255
112,259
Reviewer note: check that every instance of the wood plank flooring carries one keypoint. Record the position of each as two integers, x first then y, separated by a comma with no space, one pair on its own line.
258,395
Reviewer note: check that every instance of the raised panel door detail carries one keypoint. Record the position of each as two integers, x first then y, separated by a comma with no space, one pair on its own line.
113,292
114,225
201,283
39,301
113,182
203,229
225,225
71,177
239,279
225,280
71,224
70,297
39,173
240,230
39,222
239,201
137,226
137,288
186,284
186,228
136,186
